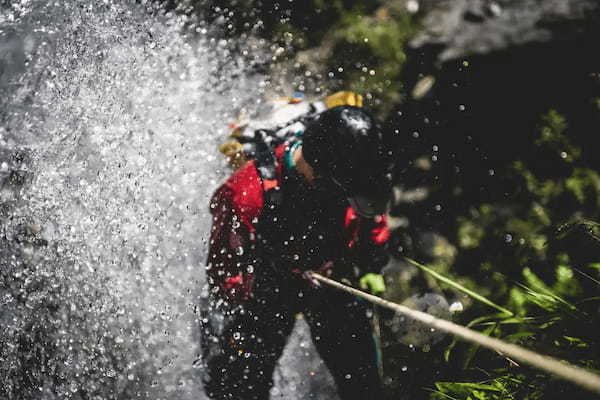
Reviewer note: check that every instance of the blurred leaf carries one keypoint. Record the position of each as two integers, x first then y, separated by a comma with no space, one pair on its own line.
458,286
576,341
464,390
469,234
546,296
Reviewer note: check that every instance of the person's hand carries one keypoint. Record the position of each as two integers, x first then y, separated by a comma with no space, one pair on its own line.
238,288
325,270
374,283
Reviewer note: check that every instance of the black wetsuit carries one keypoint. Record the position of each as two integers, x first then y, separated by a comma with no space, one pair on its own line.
243,341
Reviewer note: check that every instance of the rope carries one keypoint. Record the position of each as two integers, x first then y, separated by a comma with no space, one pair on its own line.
577,375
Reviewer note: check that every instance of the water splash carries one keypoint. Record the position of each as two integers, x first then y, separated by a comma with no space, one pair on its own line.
110,116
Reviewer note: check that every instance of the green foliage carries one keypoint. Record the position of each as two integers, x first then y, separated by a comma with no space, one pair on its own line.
469,391
460,287
469,234
552,137
347,44
546,271
369,49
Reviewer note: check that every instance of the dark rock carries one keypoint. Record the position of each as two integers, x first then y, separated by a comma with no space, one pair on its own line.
466,27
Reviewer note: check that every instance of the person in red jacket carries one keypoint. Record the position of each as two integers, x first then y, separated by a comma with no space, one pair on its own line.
317,203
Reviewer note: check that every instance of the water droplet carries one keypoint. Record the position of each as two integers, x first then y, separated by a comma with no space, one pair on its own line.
412,6
456,306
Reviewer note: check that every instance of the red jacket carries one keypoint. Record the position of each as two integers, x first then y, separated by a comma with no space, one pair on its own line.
237,206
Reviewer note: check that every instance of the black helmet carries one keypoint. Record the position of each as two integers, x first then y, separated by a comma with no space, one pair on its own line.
347,145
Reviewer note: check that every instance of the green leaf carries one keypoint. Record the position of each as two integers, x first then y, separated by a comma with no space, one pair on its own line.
576,342
546,292
464,388
460,287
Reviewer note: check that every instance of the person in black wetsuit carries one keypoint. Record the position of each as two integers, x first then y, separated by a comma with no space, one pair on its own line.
318,205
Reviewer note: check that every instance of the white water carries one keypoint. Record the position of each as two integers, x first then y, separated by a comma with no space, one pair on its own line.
118,114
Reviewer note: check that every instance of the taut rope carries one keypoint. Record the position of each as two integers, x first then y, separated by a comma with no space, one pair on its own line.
577,375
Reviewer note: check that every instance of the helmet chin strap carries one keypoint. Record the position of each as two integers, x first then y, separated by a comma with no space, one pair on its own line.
359,210
354,203
302,166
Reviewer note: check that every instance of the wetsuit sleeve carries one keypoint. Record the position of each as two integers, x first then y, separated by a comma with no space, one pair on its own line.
368,243
229,273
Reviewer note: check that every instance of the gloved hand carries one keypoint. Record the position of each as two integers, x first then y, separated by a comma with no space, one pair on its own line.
325,270
238,288
374,283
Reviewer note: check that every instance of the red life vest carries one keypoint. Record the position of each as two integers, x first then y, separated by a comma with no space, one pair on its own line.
237,207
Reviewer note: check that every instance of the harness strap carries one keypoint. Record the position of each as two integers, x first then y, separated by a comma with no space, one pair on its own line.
269,168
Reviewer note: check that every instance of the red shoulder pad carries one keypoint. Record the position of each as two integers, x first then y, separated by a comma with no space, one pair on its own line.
247,190
380,233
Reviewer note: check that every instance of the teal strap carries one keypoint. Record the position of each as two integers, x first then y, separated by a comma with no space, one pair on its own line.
288,158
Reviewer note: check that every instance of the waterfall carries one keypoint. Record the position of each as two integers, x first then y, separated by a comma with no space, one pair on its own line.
110,115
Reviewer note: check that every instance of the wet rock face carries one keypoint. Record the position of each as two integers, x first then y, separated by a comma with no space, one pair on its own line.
466,27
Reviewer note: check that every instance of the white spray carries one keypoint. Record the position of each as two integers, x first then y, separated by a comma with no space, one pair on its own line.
111,114
109,120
